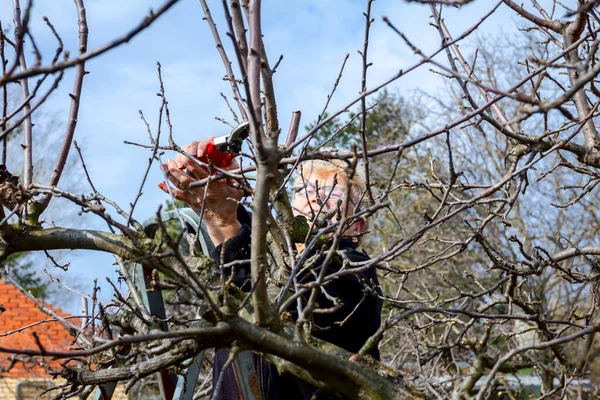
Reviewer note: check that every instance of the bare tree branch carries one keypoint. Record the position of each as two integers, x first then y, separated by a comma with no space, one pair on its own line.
552,25
20,30
149,20
75,102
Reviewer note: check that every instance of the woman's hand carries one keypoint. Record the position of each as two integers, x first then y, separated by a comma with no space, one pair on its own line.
217,201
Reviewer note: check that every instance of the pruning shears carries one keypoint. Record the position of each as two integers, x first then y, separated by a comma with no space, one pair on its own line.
225,148
232,143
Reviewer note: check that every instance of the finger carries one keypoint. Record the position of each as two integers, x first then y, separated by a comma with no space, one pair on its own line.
196,169
203,147
186,197
193,198
164,186
193,166
189,149
178,177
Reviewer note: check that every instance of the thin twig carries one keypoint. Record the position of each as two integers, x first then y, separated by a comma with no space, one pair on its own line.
149,20
363,100
226,63
80,72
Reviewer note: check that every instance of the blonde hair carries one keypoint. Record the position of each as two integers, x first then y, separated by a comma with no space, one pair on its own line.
357,183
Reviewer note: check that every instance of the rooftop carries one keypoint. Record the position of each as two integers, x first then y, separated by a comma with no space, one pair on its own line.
20,318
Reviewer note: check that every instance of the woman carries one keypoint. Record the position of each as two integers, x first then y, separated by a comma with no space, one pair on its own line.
350,305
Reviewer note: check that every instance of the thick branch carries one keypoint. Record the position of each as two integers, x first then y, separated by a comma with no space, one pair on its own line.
209,337
544,23
318,362
16,240
253,73
571,34
240,32
267,161
327,363
269,91
265,180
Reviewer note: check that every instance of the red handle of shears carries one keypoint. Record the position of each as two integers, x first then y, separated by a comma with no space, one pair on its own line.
215,157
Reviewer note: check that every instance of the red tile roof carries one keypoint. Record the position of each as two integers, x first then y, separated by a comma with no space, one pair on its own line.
20,312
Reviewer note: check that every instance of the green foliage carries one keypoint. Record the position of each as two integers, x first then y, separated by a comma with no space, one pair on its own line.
388,118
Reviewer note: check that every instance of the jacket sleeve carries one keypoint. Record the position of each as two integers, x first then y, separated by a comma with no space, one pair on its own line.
237,248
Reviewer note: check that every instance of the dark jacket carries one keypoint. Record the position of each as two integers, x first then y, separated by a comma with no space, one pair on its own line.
357,293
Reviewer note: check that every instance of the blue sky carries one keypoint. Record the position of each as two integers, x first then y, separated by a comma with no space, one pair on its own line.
313,35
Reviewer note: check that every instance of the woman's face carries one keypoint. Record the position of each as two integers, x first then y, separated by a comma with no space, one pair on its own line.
323,189
316,189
